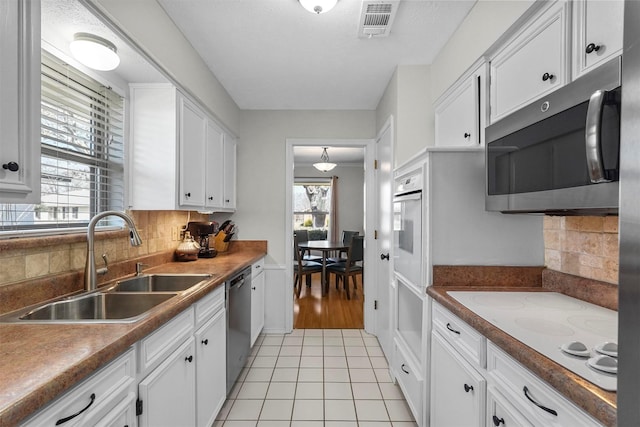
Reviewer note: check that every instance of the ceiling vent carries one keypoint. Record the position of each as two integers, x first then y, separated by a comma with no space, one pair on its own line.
376,18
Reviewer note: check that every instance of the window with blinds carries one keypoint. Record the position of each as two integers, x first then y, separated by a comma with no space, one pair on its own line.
82,160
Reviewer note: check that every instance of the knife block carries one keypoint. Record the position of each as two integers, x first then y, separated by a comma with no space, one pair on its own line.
219,243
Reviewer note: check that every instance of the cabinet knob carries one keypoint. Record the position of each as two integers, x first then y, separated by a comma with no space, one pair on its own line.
12,166
189,359
253,287
227,201
384,256
547,76
210,197
205,341
467,135
497,421
468,388
187,195
592,47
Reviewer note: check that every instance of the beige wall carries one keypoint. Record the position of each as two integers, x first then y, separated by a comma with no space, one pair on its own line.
147,24
261,165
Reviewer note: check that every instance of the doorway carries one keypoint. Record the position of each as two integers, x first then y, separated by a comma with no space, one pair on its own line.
355,178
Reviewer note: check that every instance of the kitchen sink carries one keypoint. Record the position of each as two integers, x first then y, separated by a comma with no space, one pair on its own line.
159,283
98,307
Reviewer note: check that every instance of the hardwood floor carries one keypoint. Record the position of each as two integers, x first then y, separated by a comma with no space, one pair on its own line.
312,311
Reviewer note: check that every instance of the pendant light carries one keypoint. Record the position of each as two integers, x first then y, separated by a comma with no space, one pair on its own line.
94,52
325,165
318,6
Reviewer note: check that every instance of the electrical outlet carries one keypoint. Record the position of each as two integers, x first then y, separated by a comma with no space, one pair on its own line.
174,234
181,231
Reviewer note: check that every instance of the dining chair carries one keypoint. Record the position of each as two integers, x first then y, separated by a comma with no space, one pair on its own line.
303,236
352,266
345,238
302,268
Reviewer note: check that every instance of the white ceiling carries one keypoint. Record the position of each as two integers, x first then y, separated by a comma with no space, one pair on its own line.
273,54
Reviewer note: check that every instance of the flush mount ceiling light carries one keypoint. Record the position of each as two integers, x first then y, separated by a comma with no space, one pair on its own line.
94,52
325,165
318,6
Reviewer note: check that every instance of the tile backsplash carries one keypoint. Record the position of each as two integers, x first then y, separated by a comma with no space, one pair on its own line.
585,246
36,257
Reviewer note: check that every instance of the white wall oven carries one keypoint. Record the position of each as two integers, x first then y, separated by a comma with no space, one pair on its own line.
407,229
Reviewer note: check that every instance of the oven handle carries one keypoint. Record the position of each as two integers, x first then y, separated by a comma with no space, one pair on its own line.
592,137
409,196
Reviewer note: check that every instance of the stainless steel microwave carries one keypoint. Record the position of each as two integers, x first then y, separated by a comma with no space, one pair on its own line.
560,154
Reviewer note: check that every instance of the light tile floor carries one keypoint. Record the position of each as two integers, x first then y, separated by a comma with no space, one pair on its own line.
316,378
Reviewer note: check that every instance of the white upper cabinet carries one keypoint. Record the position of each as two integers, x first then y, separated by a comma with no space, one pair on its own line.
20,101
597,33
214,166
178,154
229,173
192,127
533,63
460,111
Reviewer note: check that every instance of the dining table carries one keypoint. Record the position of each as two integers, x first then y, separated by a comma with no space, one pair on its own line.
326,247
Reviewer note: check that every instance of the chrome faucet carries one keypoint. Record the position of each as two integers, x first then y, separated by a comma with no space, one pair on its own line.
90,274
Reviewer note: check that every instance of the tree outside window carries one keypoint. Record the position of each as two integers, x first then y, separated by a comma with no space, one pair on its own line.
311,205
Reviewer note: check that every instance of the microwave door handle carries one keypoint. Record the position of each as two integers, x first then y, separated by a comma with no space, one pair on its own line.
592,137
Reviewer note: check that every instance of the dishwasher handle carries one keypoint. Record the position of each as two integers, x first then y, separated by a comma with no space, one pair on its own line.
237,282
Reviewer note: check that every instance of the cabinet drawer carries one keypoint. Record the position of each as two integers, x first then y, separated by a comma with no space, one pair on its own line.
98,394
257,267
461,336
501,413
209,305
511,378
156,347
410,380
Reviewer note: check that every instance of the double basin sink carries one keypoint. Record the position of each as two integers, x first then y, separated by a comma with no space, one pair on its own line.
127,300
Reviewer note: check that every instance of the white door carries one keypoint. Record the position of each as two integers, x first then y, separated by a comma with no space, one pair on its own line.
384,226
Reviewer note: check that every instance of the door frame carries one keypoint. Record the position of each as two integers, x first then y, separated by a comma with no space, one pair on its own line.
368,223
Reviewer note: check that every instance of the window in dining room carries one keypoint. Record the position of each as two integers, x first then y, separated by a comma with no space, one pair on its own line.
312,205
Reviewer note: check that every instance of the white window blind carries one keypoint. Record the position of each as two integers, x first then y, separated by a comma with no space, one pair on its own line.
82,156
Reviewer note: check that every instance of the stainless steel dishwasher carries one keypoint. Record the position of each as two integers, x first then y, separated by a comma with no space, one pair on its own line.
238,305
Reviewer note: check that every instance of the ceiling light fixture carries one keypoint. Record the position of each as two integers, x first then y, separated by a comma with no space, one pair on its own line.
94,52
318,6
325,165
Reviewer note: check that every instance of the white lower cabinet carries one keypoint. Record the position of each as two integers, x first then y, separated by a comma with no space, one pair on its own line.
538,402
257,299
501,413
103,396
211,378
188,387
168,393
410,378
457,388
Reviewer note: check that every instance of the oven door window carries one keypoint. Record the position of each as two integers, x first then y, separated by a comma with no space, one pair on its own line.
407,238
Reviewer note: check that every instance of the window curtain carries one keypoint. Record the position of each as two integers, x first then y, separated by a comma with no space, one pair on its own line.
333,218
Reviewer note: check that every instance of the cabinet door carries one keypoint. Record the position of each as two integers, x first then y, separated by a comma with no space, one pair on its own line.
168,392
501,413
211,377
457,389
459,115
214,166
20,101
597,33
257,301
229,172
191,126
533,64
